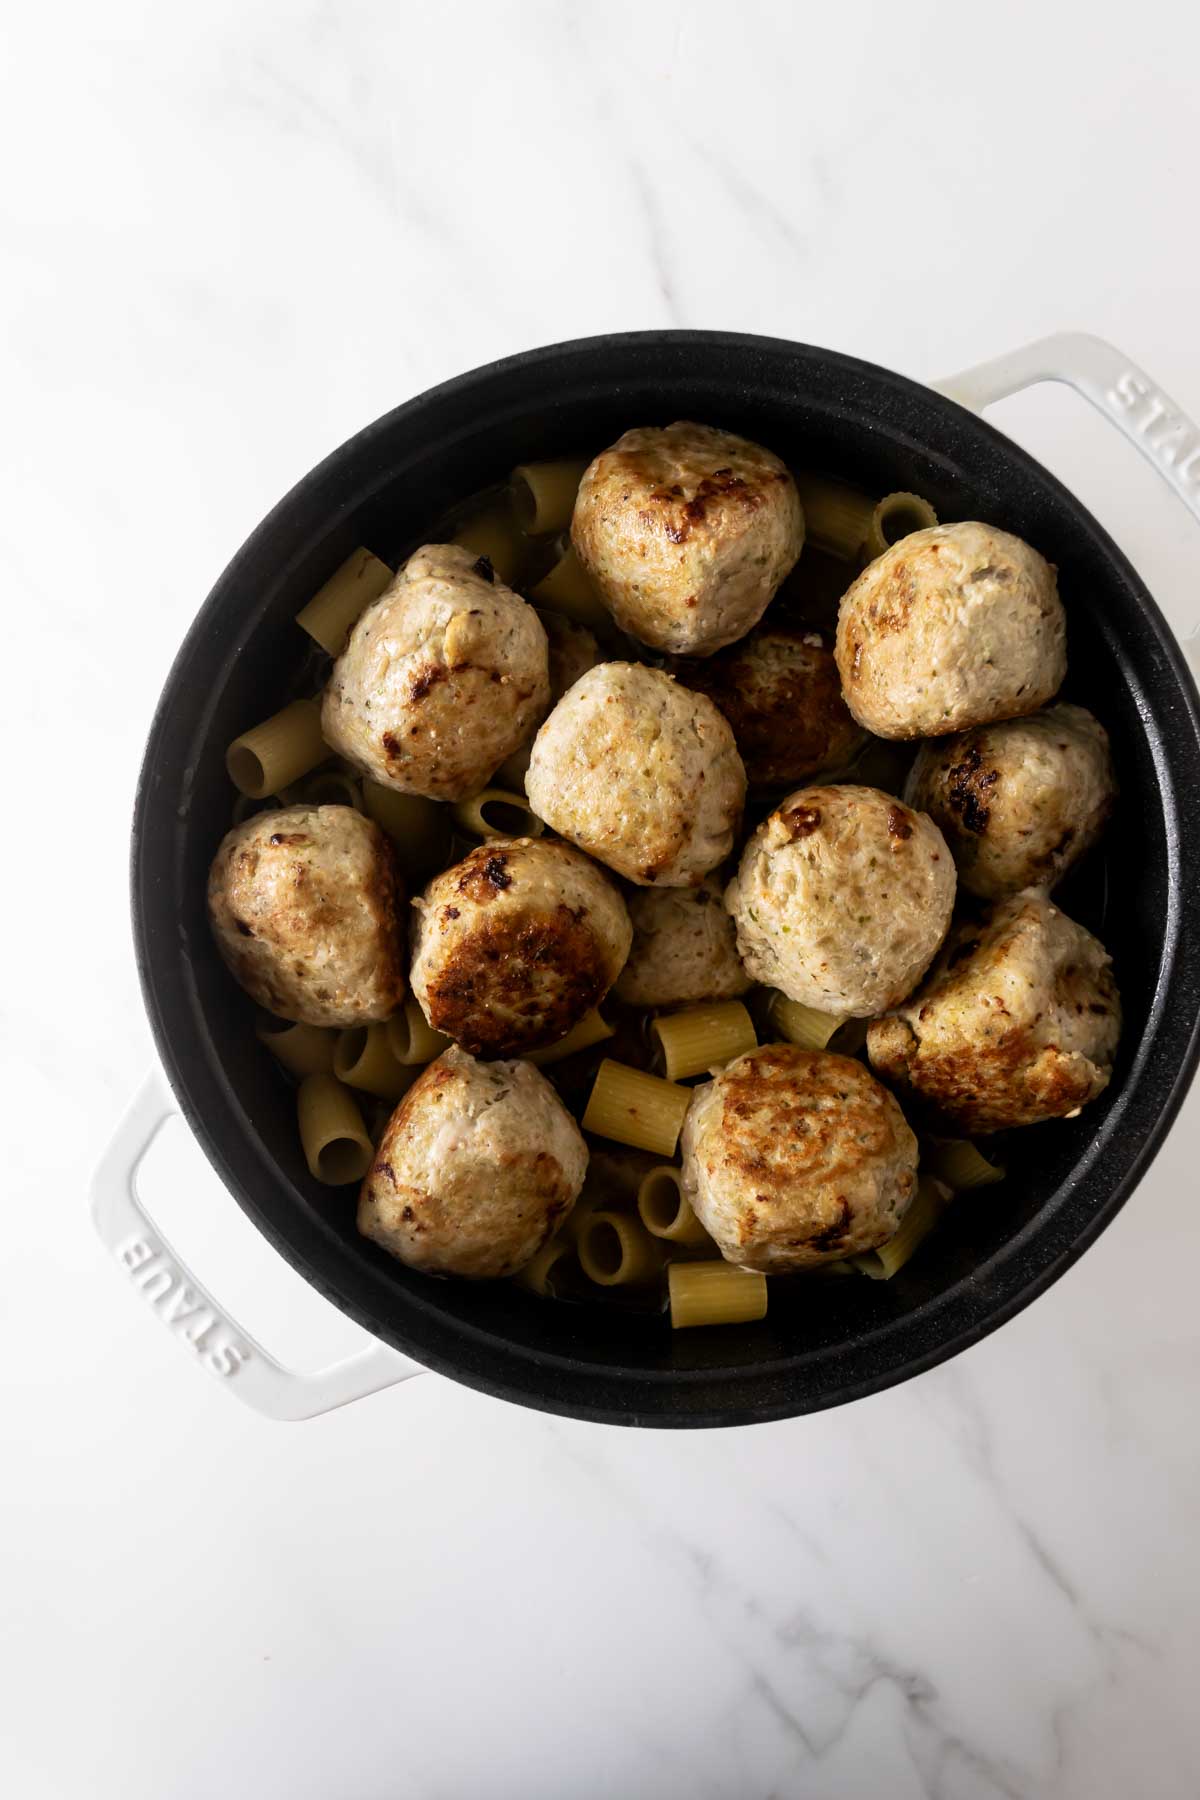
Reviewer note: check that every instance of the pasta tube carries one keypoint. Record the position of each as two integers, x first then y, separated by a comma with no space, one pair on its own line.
492,532
589,1030
302,1049
328,787
545,1274
568,590
837,516
665,1212
336,1145
614,1250
961,1165
634,1108
715,1293
703,1037
896,516
495,812
802,1025
924,1211
335,607
544,494
411,1038
418,827
364,1059
277,752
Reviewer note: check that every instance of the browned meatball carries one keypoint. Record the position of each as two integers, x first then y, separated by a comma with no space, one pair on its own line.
515,943
305,905
687,532
1018,1021
781,692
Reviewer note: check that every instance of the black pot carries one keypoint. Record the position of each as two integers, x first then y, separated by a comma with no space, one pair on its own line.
827,1342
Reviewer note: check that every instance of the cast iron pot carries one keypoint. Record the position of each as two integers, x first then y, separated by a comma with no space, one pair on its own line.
839,1339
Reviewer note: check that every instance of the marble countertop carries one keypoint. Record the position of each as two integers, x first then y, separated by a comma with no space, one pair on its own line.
230,236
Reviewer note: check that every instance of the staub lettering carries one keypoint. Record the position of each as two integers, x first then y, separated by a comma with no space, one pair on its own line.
1171,441
179,1306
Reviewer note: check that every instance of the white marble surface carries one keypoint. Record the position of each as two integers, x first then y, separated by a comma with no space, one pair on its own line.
229,236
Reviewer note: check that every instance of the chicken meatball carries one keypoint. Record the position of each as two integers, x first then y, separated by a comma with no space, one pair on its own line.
641,773
794,1157
477,1168
954,626
443,676
1019,801
573,651
515,943
687,532
1018,1021
683,948
842,898
306,908
781,692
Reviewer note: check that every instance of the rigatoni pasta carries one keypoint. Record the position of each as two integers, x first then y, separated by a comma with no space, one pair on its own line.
550,1269
803,1025
837,517
589,1030
418,827
715,1293
961,1165
363,1059
568,589
615,1251
634,1108
337,1145
894,517
497,812
302,1049
703,1037
411,1038
277,752
665,1210
337,606
492,532
924,1211
544,493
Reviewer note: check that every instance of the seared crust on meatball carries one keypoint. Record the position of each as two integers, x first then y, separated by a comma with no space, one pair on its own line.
477,1167
683,948
306,906
953,626
443,676
842,898
513,945
781,692
687,532
1018,1021
641,773
794,1157
1019,801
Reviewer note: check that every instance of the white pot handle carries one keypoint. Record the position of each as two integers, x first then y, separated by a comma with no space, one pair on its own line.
1117,388
187,1309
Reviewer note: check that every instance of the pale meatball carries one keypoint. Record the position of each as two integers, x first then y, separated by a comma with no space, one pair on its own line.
781,692
794,1157
951,627
477,1167
1018,1021
687,532
683,948
443,676
573,651
842,898
515,943
1019,801
641,773
306,906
